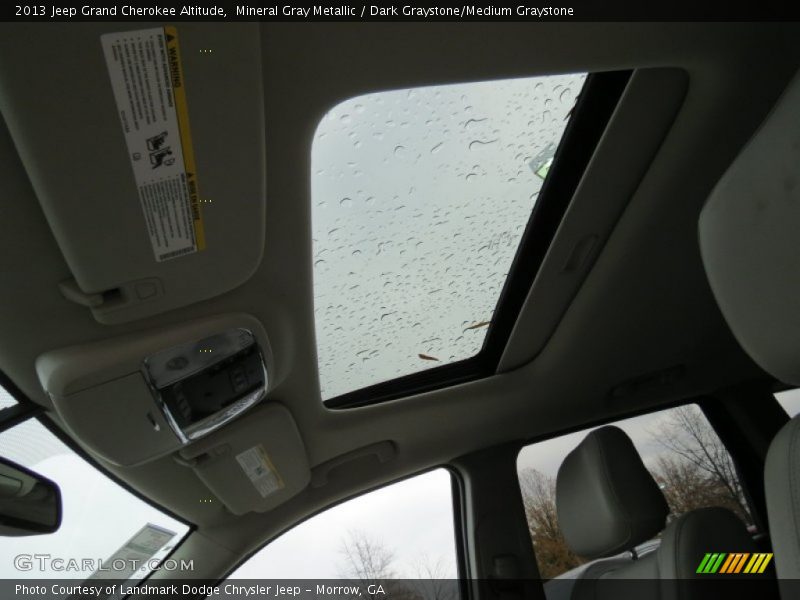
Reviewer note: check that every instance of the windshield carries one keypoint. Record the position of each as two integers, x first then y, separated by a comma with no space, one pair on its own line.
106,531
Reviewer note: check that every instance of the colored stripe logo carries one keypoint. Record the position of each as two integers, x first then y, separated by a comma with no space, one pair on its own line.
734,562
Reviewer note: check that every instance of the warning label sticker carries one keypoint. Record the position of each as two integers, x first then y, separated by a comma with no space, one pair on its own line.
150,93
143,546
259,469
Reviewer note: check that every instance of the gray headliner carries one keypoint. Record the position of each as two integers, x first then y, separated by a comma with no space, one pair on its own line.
644,306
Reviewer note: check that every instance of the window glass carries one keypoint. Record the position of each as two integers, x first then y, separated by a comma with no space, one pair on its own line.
790,401
403,531
99,518
419,200
678,446
5,399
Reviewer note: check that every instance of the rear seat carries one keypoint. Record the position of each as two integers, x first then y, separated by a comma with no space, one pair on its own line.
608,503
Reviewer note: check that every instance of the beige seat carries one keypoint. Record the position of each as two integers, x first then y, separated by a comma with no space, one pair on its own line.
608,503
750,243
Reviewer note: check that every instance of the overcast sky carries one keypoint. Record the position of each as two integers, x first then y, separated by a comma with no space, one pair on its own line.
413,518
419,200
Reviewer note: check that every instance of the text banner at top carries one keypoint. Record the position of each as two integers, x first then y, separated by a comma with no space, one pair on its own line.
253,10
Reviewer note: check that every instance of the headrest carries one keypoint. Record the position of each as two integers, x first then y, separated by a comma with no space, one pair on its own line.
606,499
691,536
749,233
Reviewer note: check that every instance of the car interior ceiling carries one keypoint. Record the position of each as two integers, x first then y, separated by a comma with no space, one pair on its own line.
620,325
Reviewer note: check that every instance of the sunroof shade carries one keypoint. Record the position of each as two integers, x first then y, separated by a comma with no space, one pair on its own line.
420,198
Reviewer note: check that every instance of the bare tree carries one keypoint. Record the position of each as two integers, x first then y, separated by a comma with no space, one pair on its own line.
370,561
681,481
553,554
539,494
365,559
433,581
700,471
687,487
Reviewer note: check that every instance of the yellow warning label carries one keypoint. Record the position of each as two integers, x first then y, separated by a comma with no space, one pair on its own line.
149,87
182,110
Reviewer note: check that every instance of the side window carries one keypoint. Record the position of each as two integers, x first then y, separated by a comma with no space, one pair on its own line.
6,401
789,401
402,532
94,540
678,446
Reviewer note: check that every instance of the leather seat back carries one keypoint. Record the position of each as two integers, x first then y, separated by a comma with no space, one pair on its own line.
608,502
750,243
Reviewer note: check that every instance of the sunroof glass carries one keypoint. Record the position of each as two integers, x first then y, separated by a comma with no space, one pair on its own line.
420,199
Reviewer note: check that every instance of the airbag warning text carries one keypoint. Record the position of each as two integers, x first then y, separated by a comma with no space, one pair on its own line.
147,80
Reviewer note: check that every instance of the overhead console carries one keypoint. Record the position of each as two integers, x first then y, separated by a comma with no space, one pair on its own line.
199,386
195,391
145,147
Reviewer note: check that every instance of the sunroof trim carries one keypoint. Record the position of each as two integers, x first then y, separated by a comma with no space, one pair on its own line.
600,95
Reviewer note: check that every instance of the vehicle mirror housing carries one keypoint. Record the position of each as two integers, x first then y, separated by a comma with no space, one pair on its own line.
30,504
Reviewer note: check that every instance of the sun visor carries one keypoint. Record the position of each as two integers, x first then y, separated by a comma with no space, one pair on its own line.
254,464
145,147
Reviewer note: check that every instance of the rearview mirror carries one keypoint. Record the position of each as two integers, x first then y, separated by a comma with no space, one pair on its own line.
29,503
